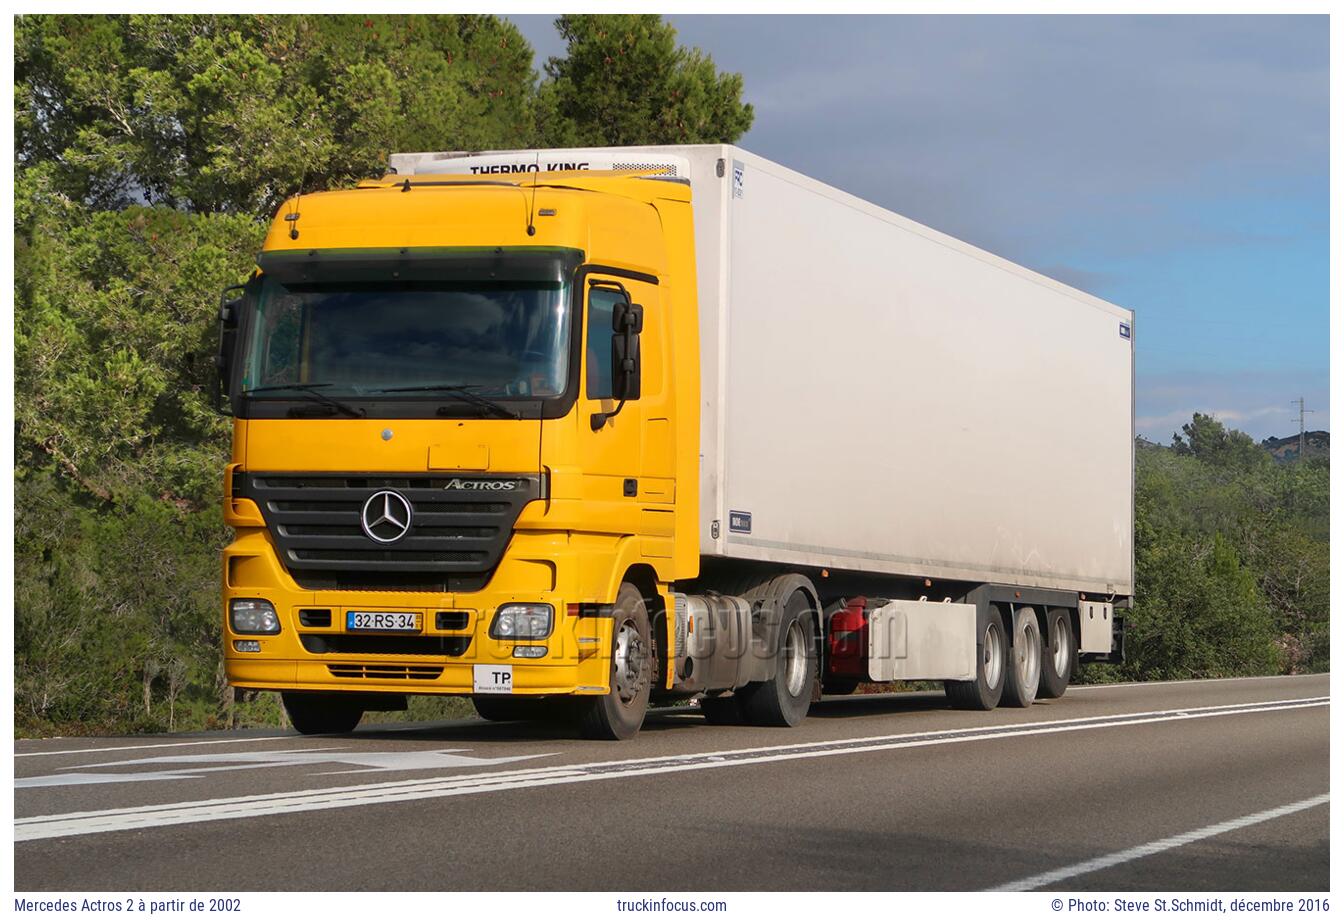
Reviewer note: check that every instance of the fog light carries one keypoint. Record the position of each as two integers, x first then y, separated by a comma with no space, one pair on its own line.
522,621
253,615
529,651
246,645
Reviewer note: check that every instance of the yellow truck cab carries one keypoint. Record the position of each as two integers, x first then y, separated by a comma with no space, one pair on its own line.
476,404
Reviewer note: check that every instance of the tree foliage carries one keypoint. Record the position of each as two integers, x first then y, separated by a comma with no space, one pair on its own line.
1231,558
151,150
232,113
626,81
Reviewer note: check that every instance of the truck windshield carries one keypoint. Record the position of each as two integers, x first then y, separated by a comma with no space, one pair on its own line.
394,340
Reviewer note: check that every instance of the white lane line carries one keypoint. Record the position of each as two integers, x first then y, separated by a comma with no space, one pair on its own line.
91,822
394,727
1159,846
141,747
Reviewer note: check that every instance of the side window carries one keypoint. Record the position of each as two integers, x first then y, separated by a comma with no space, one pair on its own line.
597,343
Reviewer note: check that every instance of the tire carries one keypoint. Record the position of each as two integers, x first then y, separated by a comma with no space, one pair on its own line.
784,699
986,690
839,686
514,708
322,713
619,714
1061,654
722,710
1024,661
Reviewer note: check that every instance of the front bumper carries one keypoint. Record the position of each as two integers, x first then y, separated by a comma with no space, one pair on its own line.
536,568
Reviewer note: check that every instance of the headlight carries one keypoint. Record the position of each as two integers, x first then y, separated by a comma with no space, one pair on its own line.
252,615
522,621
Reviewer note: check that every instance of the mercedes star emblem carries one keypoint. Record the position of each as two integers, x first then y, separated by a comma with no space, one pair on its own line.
386,517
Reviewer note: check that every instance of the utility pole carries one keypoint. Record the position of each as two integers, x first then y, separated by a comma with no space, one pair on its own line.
1302,410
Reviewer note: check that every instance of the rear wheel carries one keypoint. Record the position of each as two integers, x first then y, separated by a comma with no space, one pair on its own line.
784,699
1024,660
322,713
1061,655
984,692
619,714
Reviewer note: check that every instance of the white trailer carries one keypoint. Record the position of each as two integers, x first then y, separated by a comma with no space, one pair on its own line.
879,399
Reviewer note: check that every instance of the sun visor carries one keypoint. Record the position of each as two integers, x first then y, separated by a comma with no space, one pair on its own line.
343,266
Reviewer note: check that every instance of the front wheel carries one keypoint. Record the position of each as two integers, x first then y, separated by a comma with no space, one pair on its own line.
619,714
322,713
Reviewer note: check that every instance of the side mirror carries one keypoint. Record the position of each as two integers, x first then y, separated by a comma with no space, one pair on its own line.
627,322
230,311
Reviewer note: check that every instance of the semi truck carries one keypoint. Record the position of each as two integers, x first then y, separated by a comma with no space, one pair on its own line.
576,432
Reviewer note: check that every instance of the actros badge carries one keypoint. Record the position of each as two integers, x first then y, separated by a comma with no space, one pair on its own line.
482,485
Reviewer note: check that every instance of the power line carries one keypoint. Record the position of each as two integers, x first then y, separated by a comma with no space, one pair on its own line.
1302,410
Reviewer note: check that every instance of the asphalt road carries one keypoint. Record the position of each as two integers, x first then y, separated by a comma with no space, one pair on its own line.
1190,786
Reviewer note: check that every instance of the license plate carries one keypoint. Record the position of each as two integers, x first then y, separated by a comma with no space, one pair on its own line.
492,678
375,621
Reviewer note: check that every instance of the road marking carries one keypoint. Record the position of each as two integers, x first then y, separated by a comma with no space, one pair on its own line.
397,727
195,766
93,822
1159,846
142,747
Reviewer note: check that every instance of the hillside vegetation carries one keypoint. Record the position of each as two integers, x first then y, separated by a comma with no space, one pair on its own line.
1232,560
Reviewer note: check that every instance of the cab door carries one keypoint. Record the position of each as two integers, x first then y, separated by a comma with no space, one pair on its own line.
628,451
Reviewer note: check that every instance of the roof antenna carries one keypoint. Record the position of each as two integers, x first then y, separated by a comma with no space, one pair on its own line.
292,218
531,208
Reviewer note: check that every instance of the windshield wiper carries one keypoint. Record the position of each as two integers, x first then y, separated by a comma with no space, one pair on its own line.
310,392
458,389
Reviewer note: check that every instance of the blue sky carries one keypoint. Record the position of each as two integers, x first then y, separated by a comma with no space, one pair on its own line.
1175,165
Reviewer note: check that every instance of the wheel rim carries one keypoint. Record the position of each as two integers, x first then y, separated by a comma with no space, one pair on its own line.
795,659
1059,645
1030,654
993,656
628,660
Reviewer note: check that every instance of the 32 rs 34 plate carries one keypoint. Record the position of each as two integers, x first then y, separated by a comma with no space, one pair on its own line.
381,621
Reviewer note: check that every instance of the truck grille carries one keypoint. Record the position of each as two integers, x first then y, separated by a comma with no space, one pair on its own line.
385,671
348,644
459,525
